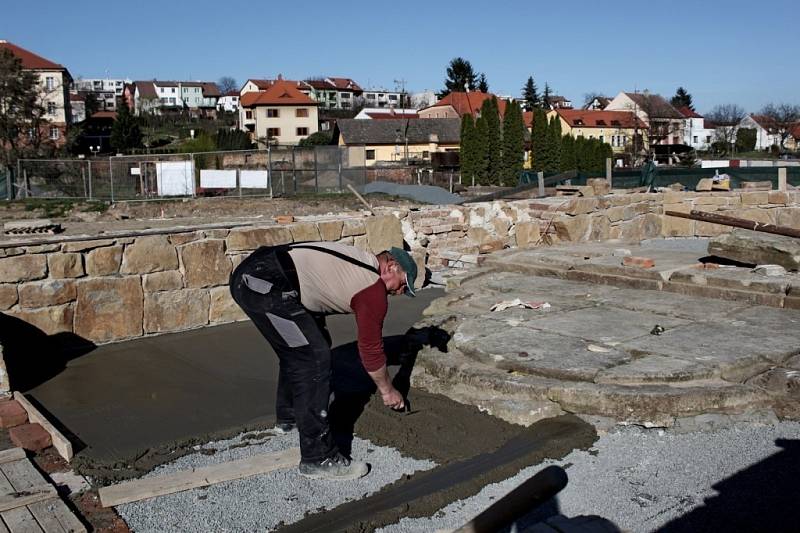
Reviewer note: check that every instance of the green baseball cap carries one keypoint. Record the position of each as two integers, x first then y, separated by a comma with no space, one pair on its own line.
409,267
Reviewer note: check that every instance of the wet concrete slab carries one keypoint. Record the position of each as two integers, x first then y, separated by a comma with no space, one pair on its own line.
124,401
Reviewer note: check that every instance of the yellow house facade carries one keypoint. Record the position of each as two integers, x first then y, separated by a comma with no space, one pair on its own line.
620,129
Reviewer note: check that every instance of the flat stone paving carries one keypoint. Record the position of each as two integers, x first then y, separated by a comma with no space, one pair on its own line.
595,351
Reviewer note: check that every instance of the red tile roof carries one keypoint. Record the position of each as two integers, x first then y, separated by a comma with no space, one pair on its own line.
281,92
105,114
795,131
688,112
29,59
469,102
585,118
765,122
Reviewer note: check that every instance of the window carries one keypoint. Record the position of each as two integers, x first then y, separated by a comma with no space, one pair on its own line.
302,131
370,97
272,113
248,115
346,95
54,133
578,122
50,83
426,154
161,89
601,122
602,138
173,90
392,97
370,155
301,113
694,139
273,132
51,108
708,138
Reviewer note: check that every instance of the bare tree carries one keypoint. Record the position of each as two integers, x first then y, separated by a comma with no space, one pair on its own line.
227,84
783,118
726,119
590,97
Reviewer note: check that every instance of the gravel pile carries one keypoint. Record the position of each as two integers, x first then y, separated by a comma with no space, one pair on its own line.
738,479
261,502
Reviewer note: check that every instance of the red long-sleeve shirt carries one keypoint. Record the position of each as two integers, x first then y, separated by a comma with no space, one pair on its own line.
370,306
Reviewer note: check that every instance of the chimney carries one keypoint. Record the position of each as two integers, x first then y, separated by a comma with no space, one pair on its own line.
280,77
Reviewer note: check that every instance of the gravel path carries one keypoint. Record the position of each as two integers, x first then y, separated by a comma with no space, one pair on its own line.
261,502
735,479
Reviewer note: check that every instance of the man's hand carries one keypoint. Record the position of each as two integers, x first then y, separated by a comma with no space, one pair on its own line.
391,397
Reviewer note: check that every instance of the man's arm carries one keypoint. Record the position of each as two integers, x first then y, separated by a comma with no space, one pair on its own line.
370,307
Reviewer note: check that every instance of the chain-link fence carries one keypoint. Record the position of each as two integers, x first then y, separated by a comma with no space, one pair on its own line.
277,171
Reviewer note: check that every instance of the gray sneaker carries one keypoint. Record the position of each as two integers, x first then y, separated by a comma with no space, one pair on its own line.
334,468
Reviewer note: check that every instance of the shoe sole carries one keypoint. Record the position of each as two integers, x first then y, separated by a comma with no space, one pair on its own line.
349,477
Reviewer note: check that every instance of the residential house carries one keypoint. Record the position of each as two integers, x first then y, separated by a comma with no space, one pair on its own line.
106,91
380,97
386,113
54,81
398,139
598,103
334,93
555,101
281,114
422,99
457,104
767,132
696,133
157,97
621,129
665,124
228,102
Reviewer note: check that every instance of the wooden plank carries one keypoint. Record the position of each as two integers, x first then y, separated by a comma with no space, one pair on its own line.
142,489
26,497
21,521
55,517
3,528
12,454
23,475
62,445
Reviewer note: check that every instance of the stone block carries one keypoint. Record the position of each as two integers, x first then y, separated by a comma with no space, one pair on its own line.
527,234
8,295
353,227
501,226
765,216
360,241
755,198
779,197
345,240
494,245
65,265
104,261
705,184
252,238
217,233
639,262
572,229
182,238
757,248
330,230
600,186
788,216
31,437
615,214
205,264
23,268
304,231
169,280
12,414
152,253
109,309
175,310
237,259
383,232
711,200
478,235
581,206
50,320
83,246
600,228
674,226
222,307
46,292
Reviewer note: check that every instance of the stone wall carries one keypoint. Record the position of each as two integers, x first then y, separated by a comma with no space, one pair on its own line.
118,288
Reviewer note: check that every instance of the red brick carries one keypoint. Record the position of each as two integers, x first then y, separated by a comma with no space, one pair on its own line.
641,262
12,414
492,246
284,219
31,437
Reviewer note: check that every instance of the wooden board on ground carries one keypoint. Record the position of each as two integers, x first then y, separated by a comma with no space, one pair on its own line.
21,520
62,445
142,489
55,517
12,454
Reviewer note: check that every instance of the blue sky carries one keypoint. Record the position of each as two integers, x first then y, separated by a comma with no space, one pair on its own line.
734,51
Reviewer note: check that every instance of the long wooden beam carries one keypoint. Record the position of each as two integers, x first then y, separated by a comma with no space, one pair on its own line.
715,218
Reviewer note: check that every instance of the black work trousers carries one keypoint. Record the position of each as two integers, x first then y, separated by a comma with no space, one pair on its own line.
262,289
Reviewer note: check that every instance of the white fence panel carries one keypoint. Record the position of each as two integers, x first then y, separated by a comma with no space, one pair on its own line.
175,178
218,179
253,179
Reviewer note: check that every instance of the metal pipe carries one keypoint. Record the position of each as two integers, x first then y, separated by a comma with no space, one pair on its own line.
724,220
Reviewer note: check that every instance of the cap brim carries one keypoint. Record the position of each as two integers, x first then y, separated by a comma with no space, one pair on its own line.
409,288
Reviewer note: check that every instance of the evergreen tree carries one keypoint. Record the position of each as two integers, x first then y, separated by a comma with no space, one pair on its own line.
491,114
483,85
467,155
554,144
539,139
481,151
546,96
125,133
513,144
530,95
568,161
460,77
682,99
580,154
